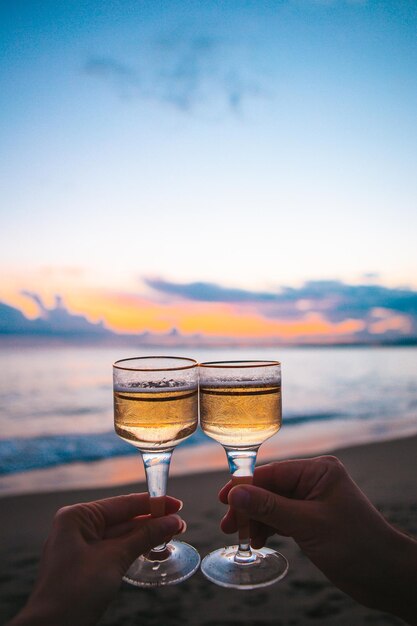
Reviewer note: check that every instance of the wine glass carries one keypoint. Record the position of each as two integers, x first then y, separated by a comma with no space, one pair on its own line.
155,409
240,407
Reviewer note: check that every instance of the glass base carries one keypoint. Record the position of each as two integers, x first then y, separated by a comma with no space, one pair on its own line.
264,568
178,562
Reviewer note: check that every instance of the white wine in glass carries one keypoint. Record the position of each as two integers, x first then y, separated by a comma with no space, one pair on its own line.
153,418
240,407
155,409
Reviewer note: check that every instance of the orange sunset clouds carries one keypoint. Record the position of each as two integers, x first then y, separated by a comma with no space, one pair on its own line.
317,312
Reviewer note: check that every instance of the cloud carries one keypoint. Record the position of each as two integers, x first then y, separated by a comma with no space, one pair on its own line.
334,294
357,301
208,292
44,312
317,311
107,67
12,320
184,71
335,301
123,78
57,321
372,276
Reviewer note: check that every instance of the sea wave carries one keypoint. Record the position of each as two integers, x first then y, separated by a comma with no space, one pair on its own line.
29,453
20,455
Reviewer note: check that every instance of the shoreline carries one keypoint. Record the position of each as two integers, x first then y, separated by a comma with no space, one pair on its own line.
385,470
308,439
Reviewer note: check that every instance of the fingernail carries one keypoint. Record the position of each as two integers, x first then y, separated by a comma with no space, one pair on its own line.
239,498
183,528
178,502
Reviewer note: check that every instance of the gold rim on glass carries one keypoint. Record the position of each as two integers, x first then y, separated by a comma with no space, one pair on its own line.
155,369
239,364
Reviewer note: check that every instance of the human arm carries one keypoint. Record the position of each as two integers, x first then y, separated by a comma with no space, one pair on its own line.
88,550
316,502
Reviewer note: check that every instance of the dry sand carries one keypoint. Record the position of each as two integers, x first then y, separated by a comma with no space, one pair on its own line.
386,471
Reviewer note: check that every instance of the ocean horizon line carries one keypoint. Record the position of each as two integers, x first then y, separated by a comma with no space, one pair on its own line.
68,339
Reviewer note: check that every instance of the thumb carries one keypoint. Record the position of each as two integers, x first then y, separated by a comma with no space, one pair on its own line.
283,514
150,533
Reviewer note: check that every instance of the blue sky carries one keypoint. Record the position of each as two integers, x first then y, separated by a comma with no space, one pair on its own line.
254,145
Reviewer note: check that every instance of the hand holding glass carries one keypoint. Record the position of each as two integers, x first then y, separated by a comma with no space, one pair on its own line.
155,409
240,407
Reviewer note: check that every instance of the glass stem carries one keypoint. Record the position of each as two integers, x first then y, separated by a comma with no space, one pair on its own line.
157,469
242,465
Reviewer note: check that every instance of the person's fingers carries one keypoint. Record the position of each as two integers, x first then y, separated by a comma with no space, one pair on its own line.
280,477
152,532
110,511
121,530
259,541
259,532
121,508
282,514
287,478
229,523
118,530
172,505
296,478
224,492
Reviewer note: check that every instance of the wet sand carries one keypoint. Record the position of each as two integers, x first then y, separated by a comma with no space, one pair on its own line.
386,471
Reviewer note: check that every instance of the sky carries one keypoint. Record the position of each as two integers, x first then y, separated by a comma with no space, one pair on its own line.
241,169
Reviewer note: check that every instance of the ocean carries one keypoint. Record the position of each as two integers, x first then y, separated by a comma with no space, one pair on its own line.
56,400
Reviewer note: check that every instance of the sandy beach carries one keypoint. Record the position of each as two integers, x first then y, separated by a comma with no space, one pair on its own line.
386,471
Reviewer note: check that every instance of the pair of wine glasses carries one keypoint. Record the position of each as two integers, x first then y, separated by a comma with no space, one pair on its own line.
156,408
